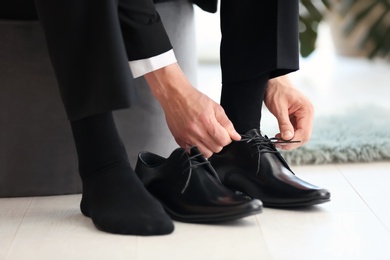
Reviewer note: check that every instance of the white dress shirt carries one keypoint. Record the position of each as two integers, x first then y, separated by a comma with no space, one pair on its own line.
141,67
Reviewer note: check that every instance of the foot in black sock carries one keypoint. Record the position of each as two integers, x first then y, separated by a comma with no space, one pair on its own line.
113,196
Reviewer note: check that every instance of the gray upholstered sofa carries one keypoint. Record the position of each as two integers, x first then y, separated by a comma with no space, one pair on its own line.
37,154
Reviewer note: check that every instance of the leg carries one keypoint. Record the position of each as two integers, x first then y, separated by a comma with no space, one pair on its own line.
258,37
243,101
89,57
113,196
259,41
86,48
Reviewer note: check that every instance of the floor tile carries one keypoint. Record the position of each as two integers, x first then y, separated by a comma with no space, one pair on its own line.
324,235
371,181
12,211
54,228
338,229
234,240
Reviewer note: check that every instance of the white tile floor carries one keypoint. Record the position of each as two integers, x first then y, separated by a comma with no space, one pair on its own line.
354,225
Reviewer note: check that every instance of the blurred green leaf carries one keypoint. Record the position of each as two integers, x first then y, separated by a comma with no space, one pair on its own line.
378,34
310,16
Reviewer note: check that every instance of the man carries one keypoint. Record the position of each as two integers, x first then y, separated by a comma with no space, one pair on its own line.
91,43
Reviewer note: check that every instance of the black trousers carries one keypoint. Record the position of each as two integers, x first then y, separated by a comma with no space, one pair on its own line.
90,43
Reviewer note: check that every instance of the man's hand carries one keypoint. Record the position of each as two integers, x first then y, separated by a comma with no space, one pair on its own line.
292,109
192,117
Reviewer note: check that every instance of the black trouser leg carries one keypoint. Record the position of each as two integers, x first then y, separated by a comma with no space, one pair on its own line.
259,41
258,37
88,54
90,61
242,102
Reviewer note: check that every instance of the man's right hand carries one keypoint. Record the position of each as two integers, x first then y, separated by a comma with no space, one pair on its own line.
192,117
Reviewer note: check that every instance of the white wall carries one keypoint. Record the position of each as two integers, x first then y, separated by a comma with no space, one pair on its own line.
208,36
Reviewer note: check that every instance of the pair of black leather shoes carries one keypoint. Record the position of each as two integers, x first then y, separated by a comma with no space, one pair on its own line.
189,188
254,167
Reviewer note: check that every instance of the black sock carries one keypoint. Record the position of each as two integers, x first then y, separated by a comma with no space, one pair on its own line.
113,196
242,102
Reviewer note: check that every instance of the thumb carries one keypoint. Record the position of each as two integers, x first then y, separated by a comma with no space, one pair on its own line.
227,125
285,127
231,130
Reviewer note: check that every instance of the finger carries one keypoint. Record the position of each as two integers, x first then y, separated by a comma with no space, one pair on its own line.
181,143
209,143
219,135
285,127
224,121
290,146
302,132
286,146
188,144
204,150
206,143
277,145
305,127
303,122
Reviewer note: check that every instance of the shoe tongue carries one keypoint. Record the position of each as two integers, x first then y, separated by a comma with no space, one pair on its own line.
253,132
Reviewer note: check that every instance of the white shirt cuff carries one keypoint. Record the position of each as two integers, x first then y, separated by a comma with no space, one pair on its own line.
141,67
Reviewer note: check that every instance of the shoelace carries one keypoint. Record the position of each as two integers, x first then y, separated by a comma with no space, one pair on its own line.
264,145
193,162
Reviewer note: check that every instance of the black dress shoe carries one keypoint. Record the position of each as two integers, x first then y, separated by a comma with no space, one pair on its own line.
190,190
254,167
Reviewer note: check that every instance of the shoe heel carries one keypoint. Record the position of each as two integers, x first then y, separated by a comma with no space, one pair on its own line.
145,164
84,208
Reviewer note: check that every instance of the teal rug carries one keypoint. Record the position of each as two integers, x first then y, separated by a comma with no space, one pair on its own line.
357,135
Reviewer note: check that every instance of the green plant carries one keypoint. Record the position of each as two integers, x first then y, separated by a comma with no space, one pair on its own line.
310,15
375,13
379,30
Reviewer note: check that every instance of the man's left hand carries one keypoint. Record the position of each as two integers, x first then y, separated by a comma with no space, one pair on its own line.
292,109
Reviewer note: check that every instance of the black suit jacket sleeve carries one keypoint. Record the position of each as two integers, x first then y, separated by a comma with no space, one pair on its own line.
208,5
142,29
90,43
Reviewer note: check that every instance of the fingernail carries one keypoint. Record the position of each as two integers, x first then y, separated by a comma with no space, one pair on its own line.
238,136
287,135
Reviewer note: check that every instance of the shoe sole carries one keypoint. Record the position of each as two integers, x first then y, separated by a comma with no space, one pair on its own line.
298,204
217,218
